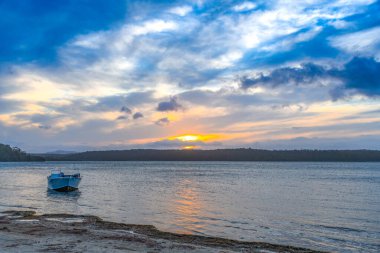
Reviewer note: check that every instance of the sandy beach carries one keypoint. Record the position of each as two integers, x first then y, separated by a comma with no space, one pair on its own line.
25,231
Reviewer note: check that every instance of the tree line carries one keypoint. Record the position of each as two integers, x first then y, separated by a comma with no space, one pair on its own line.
241,154
14,154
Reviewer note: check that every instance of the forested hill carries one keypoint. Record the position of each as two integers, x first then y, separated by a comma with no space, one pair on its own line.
9,154
223,155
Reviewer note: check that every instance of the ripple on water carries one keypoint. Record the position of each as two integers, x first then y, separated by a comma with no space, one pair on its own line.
326,206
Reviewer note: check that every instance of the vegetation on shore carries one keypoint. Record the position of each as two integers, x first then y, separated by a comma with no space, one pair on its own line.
241,154
14,154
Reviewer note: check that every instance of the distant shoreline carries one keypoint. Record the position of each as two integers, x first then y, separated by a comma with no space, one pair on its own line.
223,155
8,154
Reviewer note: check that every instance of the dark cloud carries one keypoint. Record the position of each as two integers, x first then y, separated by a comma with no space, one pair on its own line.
162,122
305,74
122,118
360,75
138,115
44,127
171,105
126,110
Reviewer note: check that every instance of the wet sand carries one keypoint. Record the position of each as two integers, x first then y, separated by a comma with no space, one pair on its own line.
25,231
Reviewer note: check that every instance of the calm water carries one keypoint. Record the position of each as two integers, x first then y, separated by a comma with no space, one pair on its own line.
327,206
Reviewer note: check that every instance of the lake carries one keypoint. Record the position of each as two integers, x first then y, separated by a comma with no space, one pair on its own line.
325,206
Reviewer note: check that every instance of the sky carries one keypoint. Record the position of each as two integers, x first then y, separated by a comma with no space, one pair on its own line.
82,75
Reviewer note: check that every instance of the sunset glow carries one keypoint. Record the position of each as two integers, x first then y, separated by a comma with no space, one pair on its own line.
238,125
281,74
194,137
189,147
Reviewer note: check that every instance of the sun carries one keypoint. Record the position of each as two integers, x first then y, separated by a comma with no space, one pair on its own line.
189,138
189,147
194,137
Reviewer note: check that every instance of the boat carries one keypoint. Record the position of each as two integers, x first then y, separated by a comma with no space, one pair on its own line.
58,181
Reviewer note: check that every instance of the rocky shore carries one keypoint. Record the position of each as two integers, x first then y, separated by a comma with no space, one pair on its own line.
25,231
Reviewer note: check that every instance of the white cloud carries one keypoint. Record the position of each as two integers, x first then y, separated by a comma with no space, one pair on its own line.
151,26
226,60
220,43
340,3
181,10
171,54
120,38
340,24
287,43
362,43
246,6
92,41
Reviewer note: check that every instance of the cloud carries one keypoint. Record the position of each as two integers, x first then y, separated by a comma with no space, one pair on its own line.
152,26
138,115
293,57
43,121
340,24
126,110
34,29
162,122
364,43
44,127
139,98
360,75
102,104
112,103
195,50
181,10
245,6
171,105
306,73
8,106
363,115
122,117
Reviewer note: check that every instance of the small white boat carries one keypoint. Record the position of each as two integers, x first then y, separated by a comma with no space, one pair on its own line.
58,181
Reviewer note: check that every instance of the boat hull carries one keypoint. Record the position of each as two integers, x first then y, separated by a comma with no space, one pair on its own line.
64,184
66,189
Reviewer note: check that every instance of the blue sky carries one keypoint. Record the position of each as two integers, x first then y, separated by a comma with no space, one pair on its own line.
79,75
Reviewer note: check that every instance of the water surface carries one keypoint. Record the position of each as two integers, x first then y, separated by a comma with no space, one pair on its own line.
325,206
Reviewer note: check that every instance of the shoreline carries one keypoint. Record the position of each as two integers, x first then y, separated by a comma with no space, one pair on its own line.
25,231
